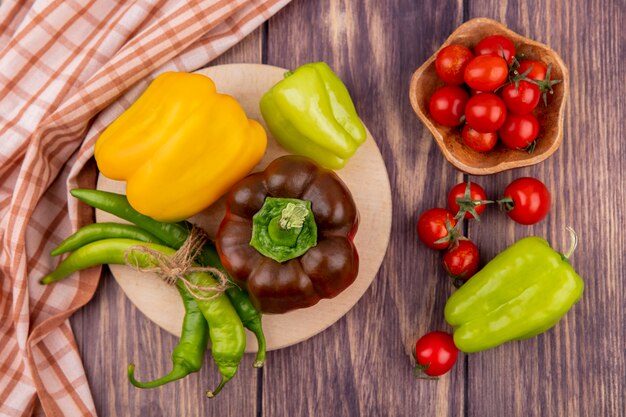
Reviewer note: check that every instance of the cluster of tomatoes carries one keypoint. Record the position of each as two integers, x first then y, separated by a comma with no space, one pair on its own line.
504,92
526,201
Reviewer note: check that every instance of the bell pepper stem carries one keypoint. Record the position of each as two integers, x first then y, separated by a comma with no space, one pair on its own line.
293,216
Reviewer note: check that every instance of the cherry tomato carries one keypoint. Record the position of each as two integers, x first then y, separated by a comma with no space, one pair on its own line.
469,201
461,261
431,227
526,200
496,45
435,353
485,112
521,98
447,105
537,72
540,73
451,62
486,72
480,142
519,131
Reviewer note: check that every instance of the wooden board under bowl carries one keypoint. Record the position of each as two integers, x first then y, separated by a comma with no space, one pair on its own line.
366,177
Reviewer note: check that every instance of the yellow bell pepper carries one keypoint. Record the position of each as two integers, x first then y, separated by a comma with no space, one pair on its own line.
180,146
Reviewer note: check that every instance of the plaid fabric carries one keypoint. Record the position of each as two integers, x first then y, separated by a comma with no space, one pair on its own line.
67,69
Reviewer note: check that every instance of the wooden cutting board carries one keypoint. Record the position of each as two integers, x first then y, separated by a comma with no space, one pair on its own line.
366,177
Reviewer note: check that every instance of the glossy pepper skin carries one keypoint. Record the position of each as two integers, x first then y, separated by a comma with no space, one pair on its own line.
226,332
310,113
324,270
179,147
522,292
188,355
175,235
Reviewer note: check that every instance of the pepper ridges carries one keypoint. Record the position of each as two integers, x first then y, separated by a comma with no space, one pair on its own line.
180,146
310,113
324,270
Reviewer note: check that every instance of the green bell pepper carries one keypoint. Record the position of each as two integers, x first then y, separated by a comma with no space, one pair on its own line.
310,113
522,292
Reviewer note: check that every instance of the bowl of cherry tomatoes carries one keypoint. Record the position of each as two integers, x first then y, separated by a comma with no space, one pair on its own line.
493,100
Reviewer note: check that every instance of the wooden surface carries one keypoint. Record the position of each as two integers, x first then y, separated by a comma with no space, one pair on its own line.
362,365
366,177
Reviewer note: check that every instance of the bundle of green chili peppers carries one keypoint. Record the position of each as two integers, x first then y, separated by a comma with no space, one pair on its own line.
220,319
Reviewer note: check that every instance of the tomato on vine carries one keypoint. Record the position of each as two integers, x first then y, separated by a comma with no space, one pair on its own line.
535,70
540,74
521,97
461,261
526,200
451,62
435,354
436,228
467,200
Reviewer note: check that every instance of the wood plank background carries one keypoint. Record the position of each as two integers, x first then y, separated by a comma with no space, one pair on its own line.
362,365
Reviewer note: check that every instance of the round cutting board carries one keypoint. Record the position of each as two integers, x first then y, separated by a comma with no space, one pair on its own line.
366,177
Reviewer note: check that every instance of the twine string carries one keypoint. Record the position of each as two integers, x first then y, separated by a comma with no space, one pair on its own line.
180,265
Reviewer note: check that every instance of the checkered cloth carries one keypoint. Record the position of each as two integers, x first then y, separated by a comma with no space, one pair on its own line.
68,68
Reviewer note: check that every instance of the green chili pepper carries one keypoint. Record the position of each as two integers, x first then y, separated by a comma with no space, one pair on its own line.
522,292
101,252
188,355
311,113
99,231
284,228
174,235
251,319
228,340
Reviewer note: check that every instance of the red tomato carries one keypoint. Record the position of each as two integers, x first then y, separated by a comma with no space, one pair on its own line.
521,98
451,62
431,227
435,353
537,72
485,112
526,200
519,131
486,72
470,201
447,105
461,262
496,45
480,142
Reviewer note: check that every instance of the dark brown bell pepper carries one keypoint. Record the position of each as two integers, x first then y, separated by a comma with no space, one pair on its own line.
325,269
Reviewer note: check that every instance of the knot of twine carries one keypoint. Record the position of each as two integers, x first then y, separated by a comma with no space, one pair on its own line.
179,265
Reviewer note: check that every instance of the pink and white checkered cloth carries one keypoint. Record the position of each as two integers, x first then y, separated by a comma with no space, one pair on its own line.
68,68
